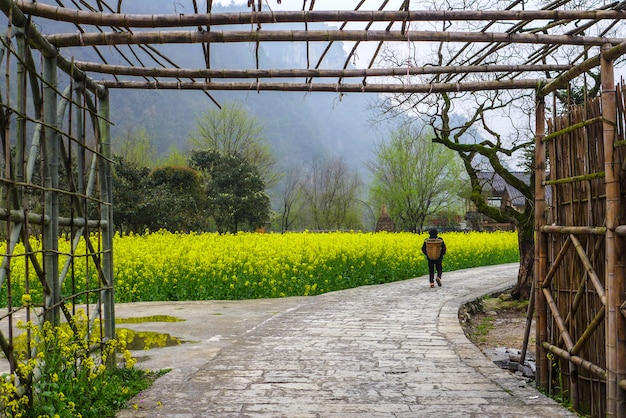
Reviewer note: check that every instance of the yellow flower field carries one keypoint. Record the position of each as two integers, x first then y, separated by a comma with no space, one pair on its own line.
167,266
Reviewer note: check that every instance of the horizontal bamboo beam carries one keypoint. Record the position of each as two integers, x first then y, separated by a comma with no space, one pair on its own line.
214,19
578,230
306,73
621,230
571,128
575,179
37,219
332,88
585,364
38,41
63,40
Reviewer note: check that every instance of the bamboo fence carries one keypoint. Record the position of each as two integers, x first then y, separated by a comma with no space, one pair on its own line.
576,335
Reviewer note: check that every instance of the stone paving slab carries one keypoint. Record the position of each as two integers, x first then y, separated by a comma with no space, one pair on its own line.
393,350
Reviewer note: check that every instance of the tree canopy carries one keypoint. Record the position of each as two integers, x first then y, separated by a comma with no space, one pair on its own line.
235,191
414,178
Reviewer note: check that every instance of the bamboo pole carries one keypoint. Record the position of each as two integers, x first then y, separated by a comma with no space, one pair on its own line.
593,325
572,128
577,230
305,73
558,319
595,280
37,41
51,183
63,40
615,324
106,189
246,18
585,364
331,88
576,179
541,246
557,263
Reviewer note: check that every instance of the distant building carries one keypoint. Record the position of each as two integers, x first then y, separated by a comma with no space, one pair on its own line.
500,194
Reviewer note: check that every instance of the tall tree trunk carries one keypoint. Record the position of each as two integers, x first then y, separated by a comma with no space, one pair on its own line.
526,243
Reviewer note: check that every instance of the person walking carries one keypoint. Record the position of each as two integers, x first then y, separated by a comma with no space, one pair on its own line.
434,249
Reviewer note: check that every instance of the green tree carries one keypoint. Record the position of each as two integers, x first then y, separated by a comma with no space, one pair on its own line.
167,197
235,191
136,148
415,178
130,190
232,131
176,200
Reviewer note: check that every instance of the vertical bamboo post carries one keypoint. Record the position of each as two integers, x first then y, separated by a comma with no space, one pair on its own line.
615,323
51,185
106,187
20,129
541,244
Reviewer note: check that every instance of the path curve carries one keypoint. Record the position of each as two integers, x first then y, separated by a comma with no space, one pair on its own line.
392,350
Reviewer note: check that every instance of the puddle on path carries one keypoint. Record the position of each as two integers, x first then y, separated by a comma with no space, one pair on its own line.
146,340
151,318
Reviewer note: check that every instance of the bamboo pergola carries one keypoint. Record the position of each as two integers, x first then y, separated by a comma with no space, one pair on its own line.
61,60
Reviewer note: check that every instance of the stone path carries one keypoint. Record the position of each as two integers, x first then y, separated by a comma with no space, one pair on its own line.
393,350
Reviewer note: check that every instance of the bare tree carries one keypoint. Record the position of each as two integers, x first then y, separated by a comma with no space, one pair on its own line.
290,197
331,189
489,130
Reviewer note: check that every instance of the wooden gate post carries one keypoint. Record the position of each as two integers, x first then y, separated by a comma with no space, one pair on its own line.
615,323
541,244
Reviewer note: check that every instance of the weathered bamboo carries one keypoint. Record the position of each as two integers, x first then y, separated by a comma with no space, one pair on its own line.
541,246
615,324
51,182
614,52
577,230
572,128
593,325
63,40
557,263
332,88
242,18
585,364
37,41
563,80
530,311
554,310
106,191
302,73
595,280
576,179
621,230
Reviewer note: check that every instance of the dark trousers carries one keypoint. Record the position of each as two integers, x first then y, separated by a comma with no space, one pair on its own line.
432,264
